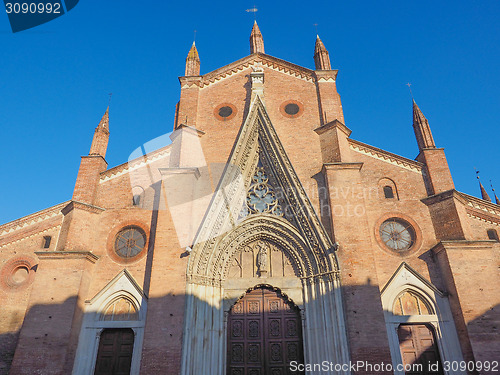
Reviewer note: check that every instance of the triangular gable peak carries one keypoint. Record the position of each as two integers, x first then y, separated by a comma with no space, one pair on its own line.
123,282
406,276
258,149
261,59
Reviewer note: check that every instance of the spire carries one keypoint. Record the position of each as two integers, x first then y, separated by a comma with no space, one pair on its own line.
101,136
321,57
497,201
256,40
422,129
484,194
193,62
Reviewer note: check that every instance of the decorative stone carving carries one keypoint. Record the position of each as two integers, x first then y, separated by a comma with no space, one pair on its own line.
261,197
260,258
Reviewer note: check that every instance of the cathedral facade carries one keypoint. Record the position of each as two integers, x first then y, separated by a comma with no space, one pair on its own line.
262,239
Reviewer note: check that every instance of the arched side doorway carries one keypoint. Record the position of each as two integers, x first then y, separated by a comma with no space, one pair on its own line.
114,356
264,334
419,324
419,349
112,331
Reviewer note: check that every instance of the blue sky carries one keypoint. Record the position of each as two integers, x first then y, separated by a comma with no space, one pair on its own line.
55,79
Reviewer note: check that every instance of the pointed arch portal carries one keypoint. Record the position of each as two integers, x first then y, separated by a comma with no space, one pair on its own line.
234,252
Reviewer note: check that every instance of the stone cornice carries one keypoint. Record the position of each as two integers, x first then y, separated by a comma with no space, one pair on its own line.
462,245
56,255
386,156
94,156
333,124
188,129
190,80
475,207
179,170
82,206
341,166
436,198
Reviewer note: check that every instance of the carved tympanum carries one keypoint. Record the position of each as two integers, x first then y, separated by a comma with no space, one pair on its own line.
261,259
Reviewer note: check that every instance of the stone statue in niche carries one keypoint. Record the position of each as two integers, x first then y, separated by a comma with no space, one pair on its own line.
262,258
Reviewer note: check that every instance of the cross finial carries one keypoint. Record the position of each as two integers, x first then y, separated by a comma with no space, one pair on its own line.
109,100
316,27
409,87
194,36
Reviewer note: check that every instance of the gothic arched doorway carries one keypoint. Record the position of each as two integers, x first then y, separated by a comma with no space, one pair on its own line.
264,334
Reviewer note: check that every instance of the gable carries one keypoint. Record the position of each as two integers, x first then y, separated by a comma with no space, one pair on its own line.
258,150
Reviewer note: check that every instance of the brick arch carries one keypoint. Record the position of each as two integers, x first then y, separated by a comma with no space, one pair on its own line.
387,182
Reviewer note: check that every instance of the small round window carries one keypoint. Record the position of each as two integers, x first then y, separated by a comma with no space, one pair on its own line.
129,242
291,108
225,111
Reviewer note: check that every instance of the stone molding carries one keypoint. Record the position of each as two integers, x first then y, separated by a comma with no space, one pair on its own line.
333,124
58,255
463,245
82,206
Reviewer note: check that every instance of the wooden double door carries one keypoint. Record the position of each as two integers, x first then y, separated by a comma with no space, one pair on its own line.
264,334
114,356
419,349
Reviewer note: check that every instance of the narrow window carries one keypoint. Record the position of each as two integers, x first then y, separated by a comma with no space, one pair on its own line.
46,242
388,192
136,200
492,234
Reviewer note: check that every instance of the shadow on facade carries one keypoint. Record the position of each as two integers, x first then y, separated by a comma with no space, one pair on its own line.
48,340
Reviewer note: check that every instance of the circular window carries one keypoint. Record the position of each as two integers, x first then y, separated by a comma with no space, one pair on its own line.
129,242
17,273
291,108
397,234
225,112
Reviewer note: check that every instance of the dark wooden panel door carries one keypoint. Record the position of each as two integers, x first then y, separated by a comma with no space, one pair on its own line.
418,346
114,355
264,335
